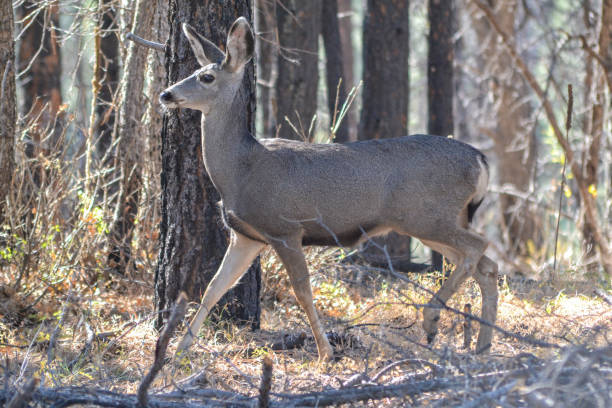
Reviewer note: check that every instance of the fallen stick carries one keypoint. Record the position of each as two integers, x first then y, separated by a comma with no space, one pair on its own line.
160,348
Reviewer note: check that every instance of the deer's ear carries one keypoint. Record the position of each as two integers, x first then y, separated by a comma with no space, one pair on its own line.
240,45
205,51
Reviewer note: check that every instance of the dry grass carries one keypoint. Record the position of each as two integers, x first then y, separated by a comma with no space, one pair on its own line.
375,313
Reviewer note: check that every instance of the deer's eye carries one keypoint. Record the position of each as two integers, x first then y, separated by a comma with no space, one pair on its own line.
206,78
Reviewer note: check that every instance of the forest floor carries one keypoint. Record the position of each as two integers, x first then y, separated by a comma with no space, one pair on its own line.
103,337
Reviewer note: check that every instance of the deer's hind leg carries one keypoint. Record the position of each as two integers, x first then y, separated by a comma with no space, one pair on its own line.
290,252
486,276
463,248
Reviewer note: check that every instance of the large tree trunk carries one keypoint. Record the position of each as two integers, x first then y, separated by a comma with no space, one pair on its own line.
150,192
334,67
514,143
8,110
386,88
299,25
192,241
440,83
39,58
385,97
127,161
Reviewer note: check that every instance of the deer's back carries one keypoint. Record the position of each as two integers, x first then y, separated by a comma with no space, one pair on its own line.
344,187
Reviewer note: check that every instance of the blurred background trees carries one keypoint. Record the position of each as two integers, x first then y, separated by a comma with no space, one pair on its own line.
97,181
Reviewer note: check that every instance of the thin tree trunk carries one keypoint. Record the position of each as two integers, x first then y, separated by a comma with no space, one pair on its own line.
192,241
385,98
267,54
40,66
440,78
299,25
345,19
334,68
129,148
8,110
106,76
597,94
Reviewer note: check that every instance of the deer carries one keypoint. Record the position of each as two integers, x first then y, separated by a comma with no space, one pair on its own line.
288,194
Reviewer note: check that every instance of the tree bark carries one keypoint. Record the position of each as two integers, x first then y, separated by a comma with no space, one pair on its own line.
386,36
192,243
386,88
514,142
345,19
597,94
40,63
334,67
107,77
127,163
299,25
440,83
267,55
8,109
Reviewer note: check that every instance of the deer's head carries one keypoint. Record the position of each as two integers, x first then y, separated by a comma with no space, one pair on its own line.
220,75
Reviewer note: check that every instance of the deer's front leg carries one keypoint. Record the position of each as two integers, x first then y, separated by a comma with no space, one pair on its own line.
290,252
239,255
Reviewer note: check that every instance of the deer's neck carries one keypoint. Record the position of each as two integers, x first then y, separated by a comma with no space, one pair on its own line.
228,147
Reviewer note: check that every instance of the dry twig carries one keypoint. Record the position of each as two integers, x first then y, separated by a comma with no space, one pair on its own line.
178,312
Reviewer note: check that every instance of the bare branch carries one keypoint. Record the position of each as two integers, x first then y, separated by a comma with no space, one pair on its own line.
145,43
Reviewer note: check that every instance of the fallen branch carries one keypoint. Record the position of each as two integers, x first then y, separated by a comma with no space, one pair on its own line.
69,396
602,294
22,397
487,397
370,392
560,382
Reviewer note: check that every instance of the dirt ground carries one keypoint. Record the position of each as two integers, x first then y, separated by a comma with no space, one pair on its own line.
103,337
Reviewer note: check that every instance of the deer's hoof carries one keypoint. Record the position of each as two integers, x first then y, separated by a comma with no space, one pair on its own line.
183,347
484,348
430,323
326,354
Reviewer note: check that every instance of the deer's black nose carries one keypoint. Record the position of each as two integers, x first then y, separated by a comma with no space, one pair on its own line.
165,96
